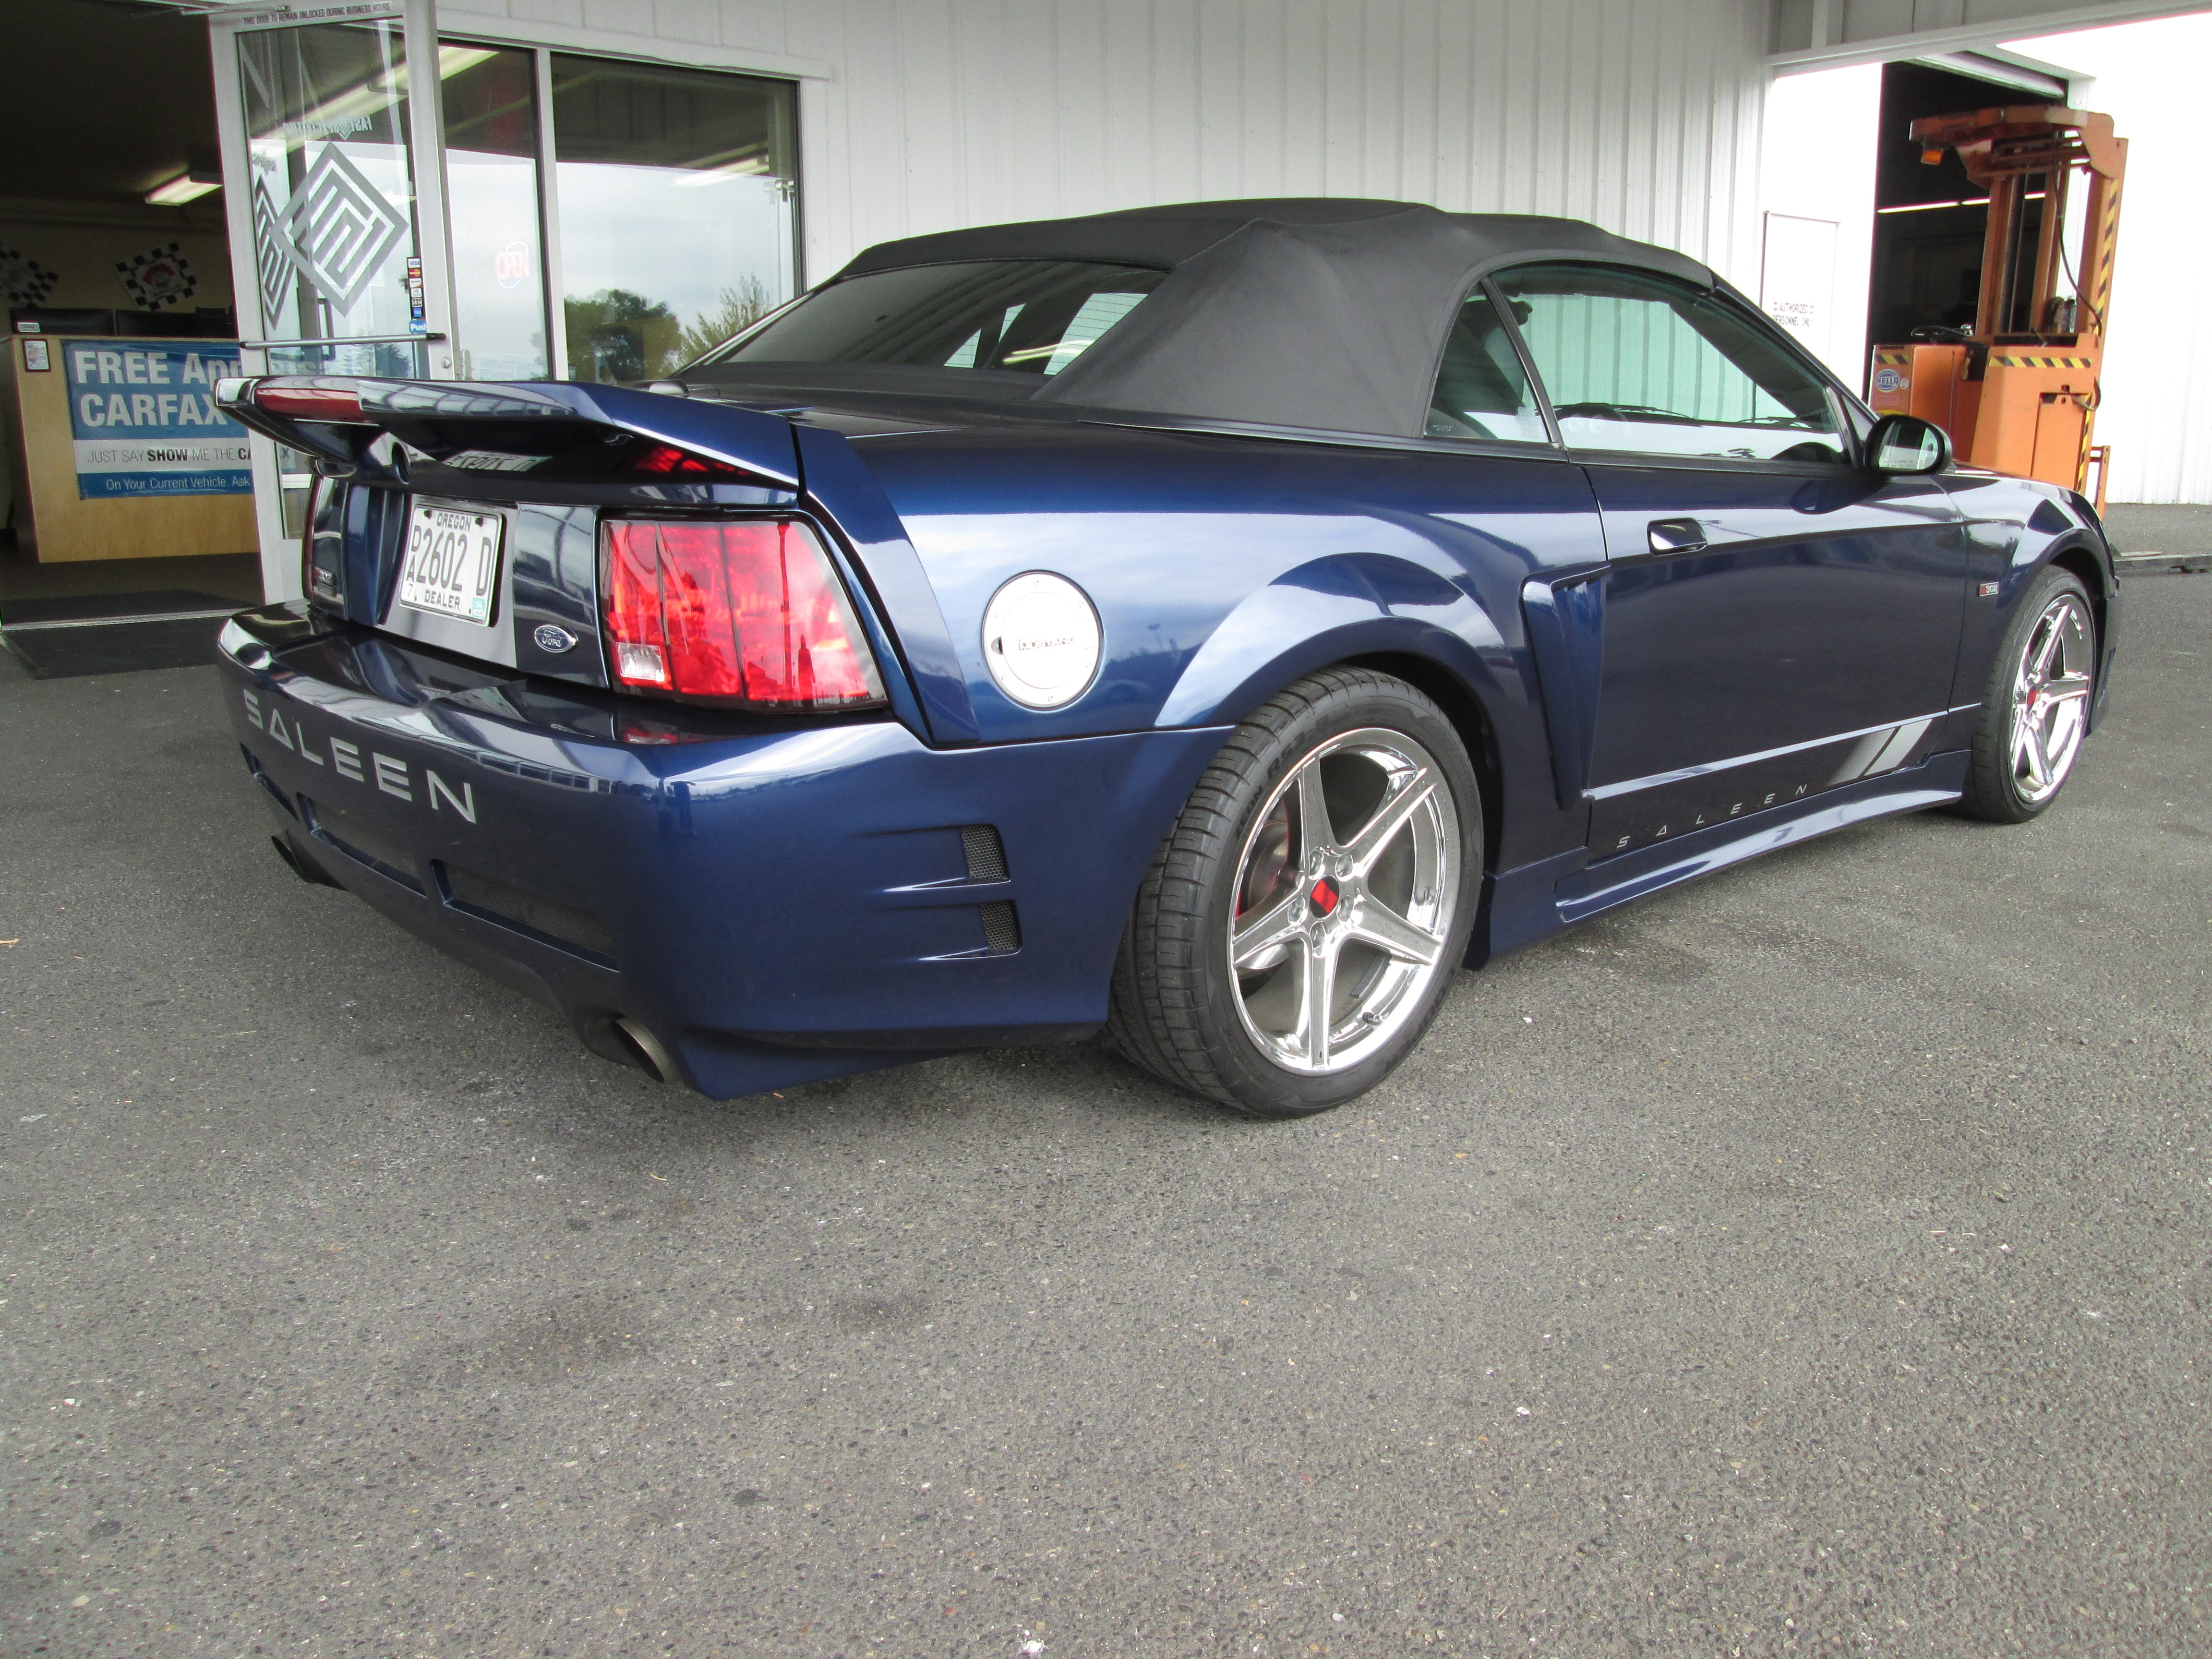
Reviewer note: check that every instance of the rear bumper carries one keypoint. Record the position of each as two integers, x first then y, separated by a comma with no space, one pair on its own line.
772,904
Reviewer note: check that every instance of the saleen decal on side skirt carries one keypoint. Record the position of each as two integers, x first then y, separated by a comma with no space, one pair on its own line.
1634,814
390,773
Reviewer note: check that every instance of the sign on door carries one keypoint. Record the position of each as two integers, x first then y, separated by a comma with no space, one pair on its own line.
1797,278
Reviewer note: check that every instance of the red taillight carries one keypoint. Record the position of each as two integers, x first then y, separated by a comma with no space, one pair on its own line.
666,461
741,611
311,400
632,589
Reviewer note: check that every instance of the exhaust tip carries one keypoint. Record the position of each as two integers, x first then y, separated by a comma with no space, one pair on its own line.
643,1049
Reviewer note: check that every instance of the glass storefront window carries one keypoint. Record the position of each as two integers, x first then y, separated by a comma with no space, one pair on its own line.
605,219
675,191
669,222
491,202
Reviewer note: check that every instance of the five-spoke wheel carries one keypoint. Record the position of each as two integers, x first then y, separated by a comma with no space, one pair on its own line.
2050,697
1299,925
2035,709
1344,893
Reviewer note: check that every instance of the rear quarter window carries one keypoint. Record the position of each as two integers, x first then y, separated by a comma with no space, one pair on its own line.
1020,316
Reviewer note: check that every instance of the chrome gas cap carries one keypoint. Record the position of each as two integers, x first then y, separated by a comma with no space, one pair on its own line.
1041,640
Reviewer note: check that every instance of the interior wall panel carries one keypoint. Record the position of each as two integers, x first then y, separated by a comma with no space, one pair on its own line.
1641,115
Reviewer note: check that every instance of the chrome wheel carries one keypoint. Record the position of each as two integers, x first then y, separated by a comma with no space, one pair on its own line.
1345,892
2050,698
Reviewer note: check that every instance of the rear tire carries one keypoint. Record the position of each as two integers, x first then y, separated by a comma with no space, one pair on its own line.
1298,928
2035,705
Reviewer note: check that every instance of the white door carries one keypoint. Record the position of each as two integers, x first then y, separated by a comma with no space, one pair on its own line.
333,179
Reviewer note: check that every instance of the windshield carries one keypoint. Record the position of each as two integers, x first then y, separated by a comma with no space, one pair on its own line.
1028,316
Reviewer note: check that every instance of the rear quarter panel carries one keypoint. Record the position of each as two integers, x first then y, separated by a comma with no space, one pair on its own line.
1223,567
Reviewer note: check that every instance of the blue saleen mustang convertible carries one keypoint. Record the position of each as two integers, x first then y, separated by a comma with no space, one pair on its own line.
1215,623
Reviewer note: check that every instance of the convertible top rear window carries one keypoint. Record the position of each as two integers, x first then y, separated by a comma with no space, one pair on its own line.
1027,316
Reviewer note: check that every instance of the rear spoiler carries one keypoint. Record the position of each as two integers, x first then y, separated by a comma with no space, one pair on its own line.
340,418
350,421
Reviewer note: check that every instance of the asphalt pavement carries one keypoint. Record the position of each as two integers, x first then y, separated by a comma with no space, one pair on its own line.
1811,1261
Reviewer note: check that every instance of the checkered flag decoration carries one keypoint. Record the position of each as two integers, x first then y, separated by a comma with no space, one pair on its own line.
23,279
160,278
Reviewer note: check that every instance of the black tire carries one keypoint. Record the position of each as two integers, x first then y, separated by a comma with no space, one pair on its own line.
1996,791
1175,1008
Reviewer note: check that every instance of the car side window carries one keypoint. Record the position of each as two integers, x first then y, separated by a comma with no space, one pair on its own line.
1640,362
1482,391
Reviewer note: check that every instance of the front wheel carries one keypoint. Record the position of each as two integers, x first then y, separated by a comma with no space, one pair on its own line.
2035,708
1298,928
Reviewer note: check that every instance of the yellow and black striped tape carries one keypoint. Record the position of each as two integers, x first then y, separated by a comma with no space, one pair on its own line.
2044,363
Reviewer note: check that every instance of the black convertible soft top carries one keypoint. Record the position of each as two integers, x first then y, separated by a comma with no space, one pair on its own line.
1315,312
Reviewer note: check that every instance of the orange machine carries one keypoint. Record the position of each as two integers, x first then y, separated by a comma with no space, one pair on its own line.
2019,394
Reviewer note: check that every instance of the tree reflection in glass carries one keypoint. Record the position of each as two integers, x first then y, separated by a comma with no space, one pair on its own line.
491,195
675,191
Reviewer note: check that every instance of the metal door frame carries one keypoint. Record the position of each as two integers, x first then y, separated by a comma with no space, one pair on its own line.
418,20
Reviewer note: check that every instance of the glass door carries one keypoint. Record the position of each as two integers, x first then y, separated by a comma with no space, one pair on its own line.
337,249
334,188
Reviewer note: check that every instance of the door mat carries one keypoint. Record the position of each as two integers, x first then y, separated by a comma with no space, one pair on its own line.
54,653
87,607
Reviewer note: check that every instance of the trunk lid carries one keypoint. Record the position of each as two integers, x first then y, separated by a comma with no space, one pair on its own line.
537,464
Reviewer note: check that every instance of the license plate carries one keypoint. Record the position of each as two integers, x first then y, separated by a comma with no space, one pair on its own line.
453,562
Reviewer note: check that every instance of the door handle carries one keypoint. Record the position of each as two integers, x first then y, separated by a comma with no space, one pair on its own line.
1676,536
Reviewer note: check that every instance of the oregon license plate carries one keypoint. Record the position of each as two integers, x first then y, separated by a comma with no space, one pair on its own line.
453,562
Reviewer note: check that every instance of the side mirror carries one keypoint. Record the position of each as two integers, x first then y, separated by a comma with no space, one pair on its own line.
1905,446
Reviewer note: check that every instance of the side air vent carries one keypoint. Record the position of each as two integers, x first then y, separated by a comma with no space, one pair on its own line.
267,782
986,854
1001,931
528,914
363,846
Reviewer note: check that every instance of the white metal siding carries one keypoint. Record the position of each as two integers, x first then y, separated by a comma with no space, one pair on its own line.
1640,115
2157,412
1832,32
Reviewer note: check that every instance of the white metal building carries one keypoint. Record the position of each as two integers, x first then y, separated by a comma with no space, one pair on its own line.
597,182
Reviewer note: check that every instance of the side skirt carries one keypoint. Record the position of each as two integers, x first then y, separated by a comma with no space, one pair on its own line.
1538,900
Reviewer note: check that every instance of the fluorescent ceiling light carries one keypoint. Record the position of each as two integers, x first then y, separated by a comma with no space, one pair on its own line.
1925,207
1971,201
753,165
452,60
181,190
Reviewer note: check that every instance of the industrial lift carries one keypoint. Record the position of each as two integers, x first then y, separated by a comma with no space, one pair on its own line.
2019,394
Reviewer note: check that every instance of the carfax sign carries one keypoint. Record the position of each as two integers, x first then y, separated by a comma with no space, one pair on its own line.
143,416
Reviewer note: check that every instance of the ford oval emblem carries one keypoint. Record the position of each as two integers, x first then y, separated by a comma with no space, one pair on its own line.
553,639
